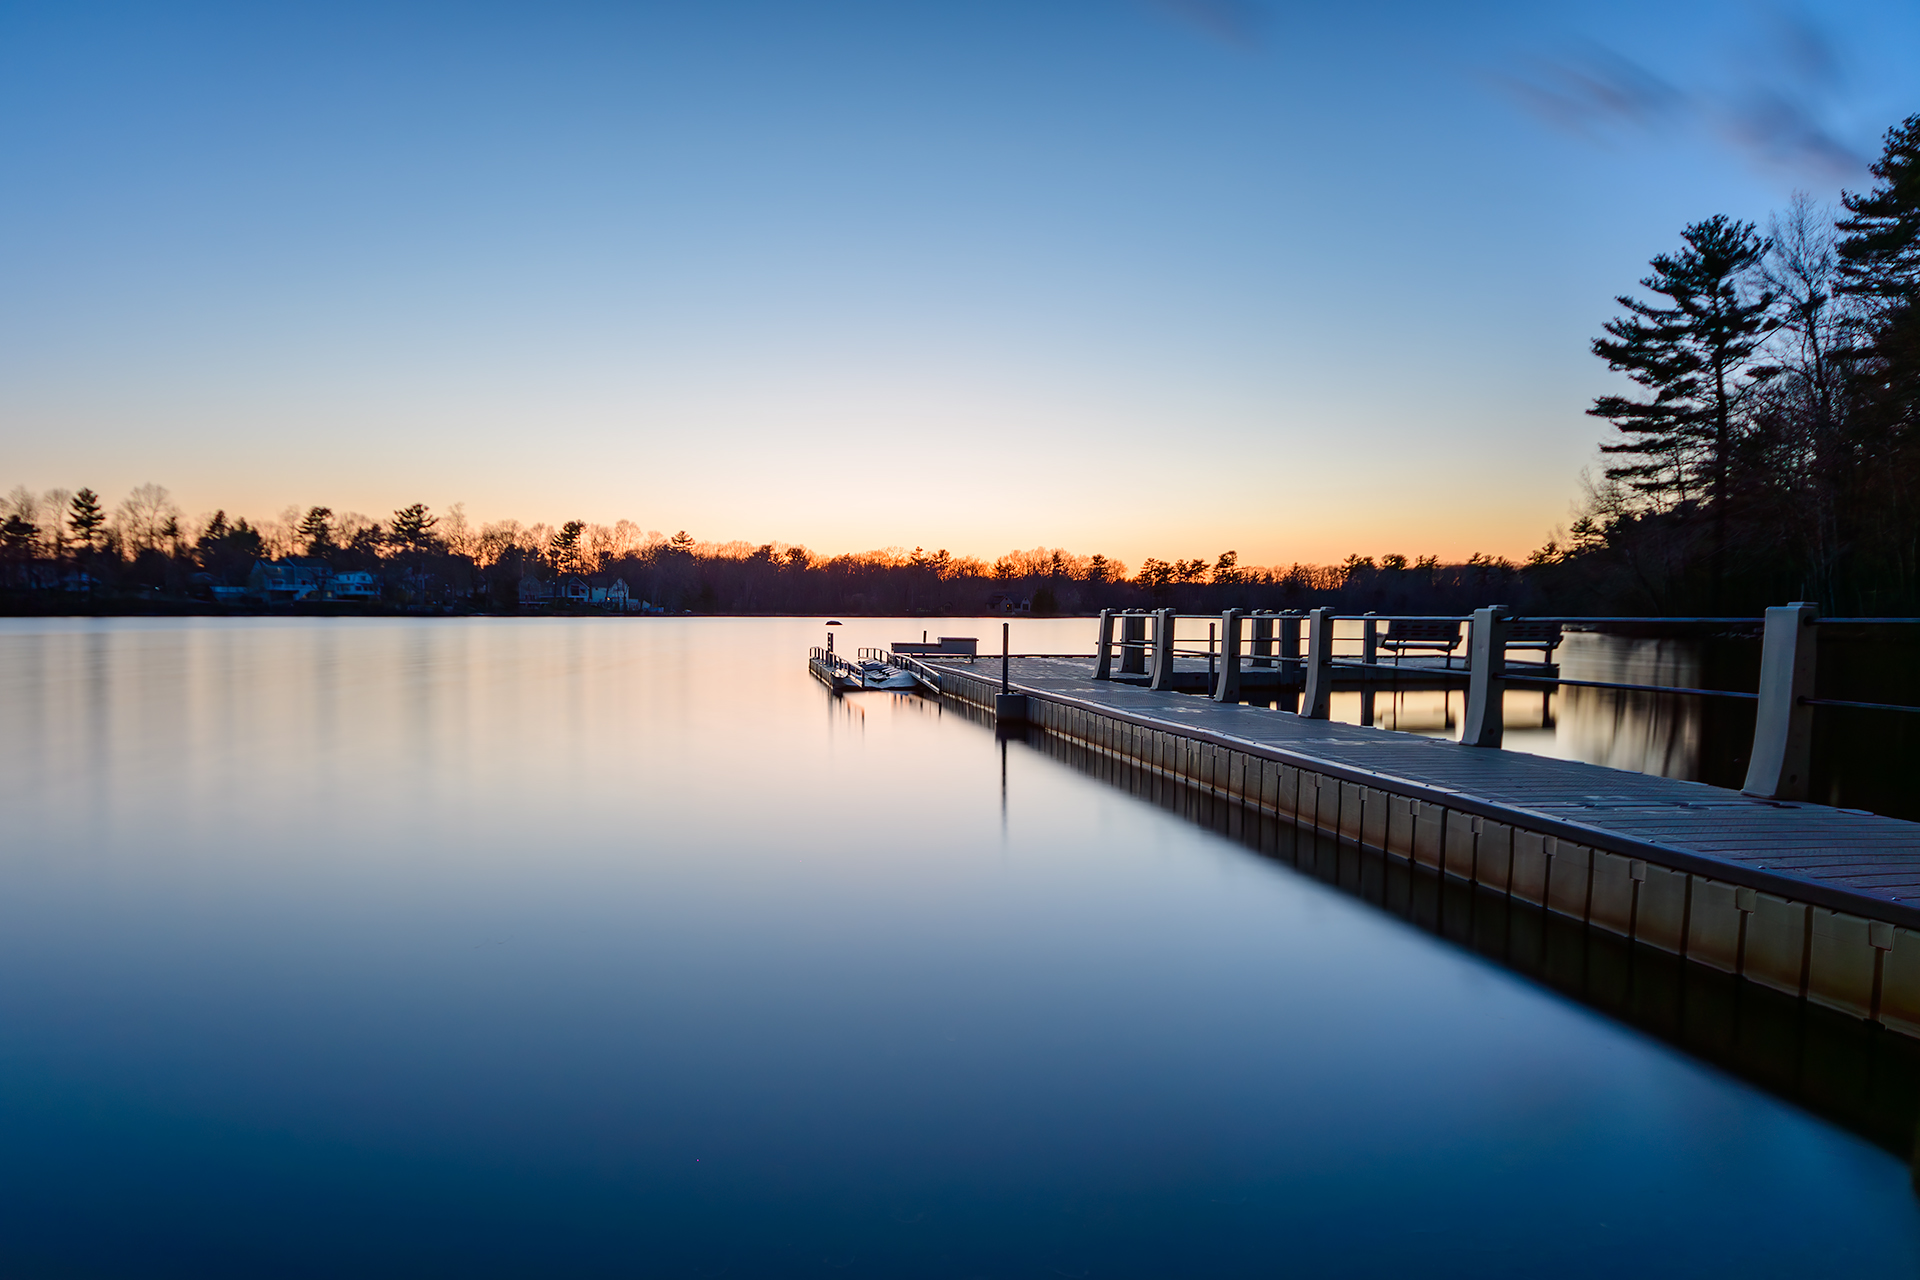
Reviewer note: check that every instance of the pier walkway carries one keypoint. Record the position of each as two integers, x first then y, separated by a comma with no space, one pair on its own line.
1818,902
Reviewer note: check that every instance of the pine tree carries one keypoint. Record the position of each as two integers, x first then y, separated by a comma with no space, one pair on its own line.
1696,355
1880,257
17,536
563,549
1880,263
86,518
316,528
413,527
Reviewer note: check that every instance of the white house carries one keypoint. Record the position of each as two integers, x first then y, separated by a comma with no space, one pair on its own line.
287,580
354,584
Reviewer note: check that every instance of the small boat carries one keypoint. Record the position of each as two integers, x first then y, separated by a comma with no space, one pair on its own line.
878,675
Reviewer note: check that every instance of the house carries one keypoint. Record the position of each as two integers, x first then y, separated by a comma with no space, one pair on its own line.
354,584
1000,602
284,580
534,592
573,591
615,597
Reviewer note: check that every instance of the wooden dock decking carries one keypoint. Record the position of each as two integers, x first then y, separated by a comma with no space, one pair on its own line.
1816,901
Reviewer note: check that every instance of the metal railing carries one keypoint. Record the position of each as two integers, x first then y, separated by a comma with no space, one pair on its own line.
1301,644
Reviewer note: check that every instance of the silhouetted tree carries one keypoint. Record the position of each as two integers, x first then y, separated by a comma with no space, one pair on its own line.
1696,355
85,519
563,549
18,536
412,527
316,531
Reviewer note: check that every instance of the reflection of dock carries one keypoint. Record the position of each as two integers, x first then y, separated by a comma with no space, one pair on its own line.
1849,1071
1819,903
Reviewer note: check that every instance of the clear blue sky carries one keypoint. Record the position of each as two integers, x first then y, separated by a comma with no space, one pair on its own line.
1187,275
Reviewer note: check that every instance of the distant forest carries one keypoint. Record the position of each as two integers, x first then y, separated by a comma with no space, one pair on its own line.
66,550
1768,451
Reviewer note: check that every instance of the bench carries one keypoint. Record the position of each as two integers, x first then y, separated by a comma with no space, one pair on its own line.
1544,636
1437,636
1428,636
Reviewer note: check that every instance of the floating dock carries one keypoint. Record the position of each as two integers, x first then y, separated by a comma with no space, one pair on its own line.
1815,902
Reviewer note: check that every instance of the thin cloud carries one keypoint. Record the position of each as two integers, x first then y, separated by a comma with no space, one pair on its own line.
1774,103
1234,22
1595,92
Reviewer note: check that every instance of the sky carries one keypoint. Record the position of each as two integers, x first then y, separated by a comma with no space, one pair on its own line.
1140,277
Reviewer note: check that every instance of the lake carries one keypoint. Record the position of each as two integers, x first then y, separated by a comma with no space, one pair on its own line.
618,947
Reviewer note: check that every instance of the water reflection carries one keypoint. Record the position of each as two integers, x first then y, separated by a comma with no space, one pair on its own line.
1645,732
609,946
1854,1073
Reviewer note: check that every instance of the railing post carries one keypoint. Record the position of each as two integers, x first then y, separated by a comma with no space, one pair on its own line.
1227,687
1103,665
1486,691
1162,651
1783,724
1369,654
1263,639
1317,703
1009,708
1133,644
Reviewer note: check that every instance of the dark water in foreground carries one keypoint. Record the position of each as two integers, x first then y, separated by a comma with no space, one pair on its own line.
616,947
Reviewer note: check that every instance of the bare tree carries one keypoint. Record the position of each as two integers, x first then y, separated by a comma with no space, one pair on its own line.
53,504
144,518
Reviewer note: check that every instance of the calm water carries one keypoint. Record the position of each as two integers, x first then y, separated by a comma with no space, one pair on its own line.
617,947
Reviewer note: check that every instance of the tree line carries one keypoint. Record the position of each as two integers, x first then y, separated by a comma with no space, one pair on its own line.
62,544
1770,450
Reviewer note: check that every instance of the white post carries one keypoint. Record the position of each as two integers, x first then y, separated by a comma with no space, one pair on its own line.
1227,688
1133,644
1317,703
1162,651
1486,691
1103,665
1782,723
1263,640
